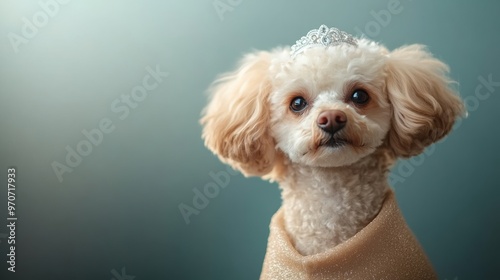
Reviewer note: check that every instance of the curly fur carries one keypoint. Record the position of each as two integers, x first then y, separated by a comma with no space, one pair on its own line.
329,193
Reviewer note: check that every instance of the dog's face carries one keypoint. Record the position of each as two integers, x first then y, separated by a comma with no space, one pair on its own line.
328,107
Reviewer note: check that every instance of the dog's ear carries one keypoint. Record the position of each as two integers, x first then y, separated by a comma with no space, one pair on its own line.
424,107
236,120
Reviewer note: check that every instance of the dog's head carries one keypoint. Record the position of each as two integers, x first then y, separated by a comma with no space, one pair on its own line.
328,106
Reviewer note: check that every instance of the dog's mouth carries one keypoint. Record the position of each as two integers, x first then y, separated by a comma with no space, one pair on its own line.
333,142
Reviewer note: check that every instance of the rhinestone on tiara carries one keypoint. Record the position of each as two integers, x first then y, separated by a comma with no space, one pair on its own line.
323,36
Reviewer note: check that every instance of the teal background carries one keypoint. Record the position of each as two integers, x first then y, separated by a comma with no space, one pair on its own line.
119,207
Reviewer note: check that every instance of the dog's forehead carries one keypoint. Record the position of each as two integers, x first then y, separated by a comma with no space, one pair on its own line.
330,66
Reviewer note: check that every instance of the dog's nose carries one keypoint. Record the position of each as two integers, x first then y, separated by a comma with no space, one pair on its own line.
331,121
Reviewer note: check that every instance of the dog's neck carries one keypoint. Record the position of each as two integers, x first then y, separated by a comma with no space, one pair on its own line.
326,206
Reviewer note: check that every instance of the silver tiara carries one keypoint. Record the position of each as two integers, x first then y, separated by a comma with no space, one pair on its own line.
323,36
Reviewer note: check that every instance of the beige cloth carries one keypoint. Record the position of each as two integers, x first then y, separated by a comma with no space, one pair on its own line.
384,249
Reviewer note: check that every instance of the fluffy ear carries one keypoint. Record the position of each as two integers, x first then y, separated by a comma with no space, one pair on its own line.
424,107
236,120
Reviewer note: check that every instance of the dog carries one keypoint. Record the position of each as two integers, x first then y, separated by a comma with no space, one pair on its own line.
326,119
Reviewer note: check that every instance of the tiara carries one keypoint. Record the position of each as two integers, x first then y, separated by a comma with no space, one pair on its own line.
323,36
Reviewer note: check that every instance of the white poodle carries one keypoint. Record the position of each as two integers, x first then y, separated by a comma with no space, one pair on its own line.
326,119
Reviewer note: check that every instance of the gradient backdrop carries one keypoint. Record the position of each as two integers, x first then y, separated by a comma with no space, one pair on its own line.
71,66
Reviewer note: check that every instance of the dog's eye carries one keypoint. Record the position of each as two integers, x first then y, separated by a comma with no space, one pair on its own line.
298,104
360,97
